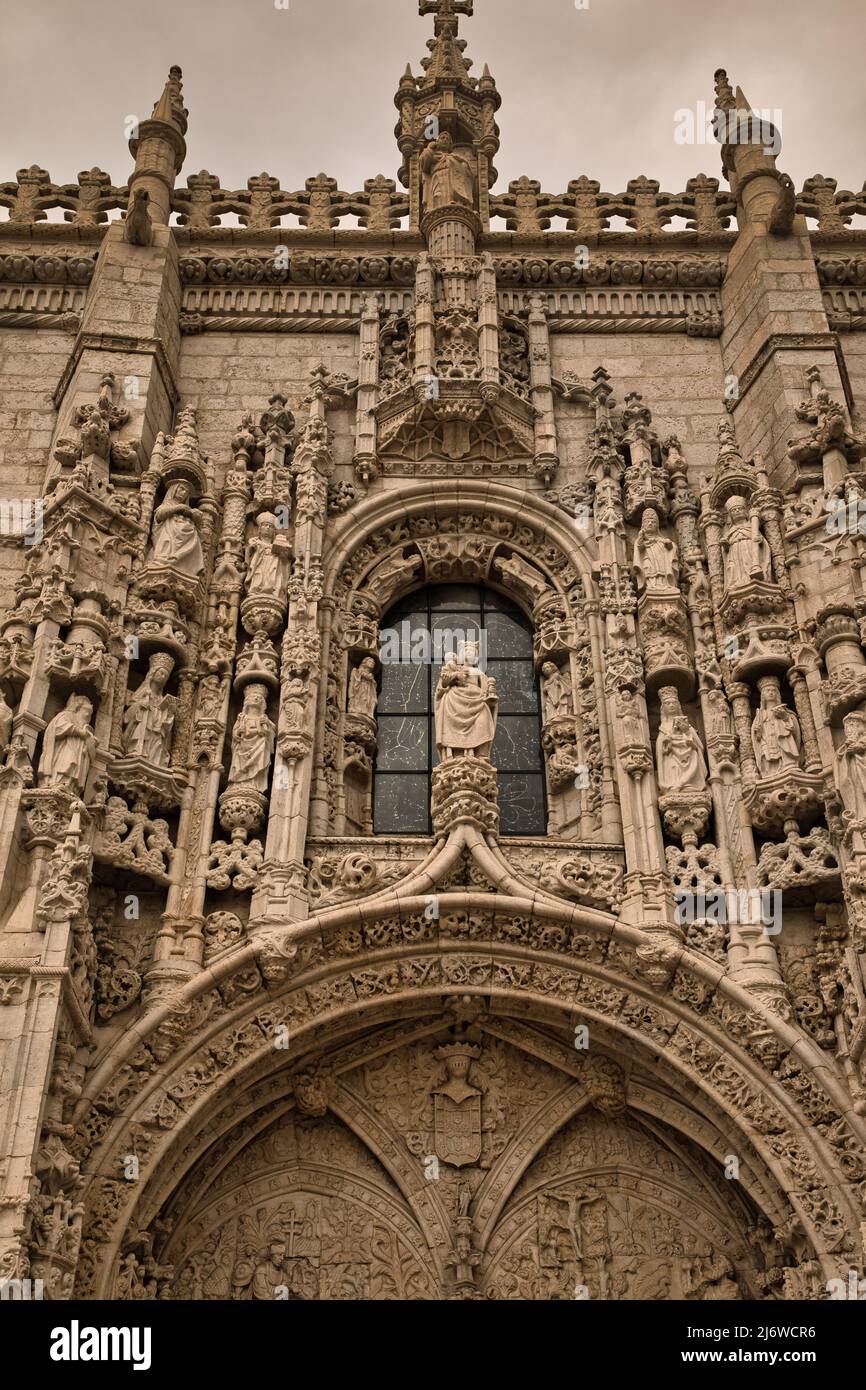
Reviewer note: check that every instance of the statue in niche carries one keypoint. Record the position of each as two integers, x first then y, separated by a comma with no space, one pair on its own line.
629,718
68,746
852,762
448,175
268,557
555,693
656,560
746,552
149,717
6,717
776,737
175,533
679,752
721,725
466,704
295,696
363,692
253,738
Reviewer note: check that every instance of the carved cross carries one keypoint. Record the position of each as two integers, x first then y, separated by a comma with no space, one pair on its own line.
444,11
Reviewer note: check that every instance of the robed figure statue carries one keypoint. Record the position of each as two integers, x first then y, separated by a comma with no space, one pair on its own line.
466,704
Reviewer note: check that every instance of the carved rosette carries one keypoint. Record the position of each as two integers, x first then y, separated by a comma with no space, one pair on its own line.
464,792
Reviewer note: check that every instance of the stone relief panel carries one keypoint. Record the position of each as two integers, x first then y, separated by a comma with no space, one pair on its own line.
584,1222
304,1212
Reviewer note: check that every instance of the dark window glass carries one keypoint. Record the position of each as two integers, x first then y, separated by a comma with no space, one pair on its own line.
401,804
403,743
404,689
521,803
406,752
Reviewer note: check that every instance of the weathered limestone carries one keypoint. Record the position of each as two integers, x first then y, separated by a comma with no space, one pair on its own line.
271,453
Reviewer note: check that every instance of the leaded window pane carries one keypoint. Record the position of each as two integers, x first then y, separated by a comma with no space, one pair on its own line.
515,748
403,743
515,686
405,689
521,804
401,804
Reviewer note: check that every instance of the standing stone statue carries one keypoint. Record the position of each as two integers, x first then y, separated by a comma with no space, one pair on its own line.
68,746
6,717
149,717
776,737
680,757
175,533
555,693
448,175
746,551
363,693
465,705
656,560
253,738
852,762
268,558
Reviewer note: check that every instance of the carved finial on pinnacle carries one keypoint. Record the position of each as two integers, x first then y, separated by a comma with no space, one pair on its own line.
170,106
446,12
725,99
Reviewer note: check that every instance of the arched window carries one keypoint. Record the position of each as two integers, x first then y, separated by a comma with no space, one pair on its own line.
415,636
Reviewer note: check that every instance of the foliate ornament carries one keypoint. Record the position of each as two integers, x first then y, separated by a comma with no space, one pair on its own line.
63,895
236,864
604,1081
464,792
335,878
275,954
656,960
221,931
130,840
311,1090
800,861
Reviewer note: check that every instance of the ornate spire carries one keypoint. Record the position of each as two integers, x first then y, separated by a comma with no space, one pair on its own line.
446,62
170,107
159,149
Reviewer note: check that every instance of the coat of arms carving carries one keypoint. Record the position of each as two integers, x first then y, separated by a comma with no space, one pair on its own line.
457,1107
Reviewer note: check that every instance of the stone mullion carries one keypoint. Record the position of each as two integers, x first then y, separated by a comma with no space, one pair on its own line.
546,447
366,466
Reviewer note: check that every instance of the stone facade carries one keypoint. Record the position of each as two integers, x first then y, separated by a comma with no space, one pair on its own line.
254,1046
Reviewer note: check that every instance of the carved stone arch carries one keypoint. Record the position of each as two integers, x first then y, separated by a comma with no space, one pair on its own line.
328,999
482,534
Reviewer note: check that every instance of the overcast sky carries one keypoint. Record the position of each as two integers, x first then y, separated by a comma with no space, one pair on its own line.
310,88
